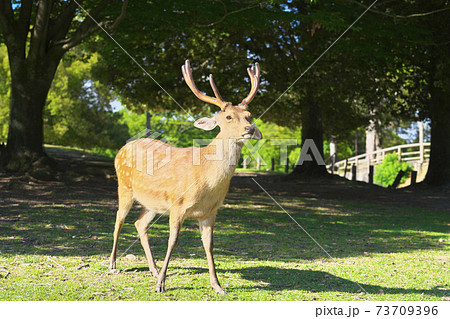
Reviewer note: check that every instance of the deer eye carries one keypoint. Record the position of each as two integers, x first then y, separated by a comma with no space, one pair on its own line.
229,118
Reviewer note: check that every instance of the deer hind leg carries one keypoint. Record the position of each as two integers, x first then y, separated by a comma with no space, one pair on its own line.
142,226
125,203
206,230
175,221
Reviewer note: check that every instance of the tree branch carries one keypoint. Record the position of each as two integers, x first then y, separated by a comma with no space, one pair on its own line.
123,13
23,24
395,16
60,26
90,25
7,22
86,28
39,35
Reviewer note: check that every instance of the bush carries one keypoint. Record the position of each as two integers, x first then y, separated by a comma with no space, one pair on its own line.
388,170
104,151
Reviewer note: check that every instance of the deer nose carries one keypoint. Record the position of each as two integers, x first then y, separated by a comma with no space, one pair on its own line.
250,129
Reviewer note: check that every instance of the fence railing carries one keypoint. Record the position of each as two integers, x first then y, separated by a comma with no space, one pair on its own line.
416,153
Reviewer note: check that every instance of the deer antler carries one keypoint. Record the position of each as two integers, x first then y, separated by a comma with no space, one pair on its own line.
187,74
254,74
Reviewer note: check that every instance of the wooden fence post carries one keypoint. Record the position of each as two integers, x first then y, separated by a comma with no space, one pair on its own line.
353,172
245,162
273,164
371,174
286,168
397,179
413,177
333,163
345,168
149,127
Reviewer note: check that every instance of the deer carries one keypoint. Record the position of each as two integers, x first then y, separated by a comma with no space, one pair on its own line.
187,182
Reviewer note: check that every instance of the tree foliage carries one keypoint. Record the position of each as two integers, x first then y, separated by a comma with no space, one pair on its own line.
77,111
354,76
393,60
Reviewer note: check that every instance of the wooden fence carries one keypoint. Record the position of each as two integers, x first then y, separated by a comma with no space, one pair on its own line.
359,167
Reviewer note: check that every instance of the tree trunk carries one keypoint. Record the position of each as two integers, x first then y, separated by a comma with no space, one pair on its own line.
312,128
439,168
29,89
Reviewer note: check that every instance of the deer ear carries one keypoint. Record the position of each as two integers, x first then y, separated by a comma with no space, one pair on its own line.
206,123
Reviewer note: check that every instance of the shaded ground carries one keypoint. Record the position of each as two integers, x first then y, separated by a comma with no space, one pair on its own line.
343,189
86,177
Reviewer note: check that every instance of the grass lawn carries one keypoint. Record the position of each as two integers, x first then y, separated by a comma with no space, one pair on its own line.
58,250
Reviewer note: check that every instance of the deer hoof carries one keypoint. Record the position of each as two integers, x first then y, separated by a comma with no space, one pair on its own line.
113,270
159,289
219,290
155,273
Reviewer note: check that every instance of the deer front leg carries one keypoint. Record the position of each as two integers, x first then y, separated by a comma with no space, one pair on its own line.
175,226
206,230
142,227
125,203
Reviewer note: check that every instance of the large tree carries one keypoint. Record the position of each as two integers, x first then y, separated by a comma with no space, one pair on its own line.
37,35
425,69
436,67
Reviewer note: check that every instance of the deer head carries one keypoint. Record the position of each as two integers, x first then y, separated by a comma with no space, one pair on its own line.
235,121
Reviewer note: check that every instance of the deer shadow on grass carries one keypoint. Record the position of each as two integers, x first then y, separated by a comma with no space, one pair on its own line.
314,281
143,269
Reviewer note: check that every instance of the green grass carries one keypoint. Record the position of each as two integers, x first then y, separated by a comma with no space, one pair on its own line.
60,252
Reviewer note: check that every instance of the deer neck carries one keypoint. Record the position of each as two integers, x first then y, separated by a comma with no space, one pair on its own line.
220,158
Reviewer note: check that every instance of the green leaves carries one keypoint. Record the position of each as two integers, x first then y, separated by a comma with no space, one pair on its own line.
5,93
279,142
388,170
77,111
